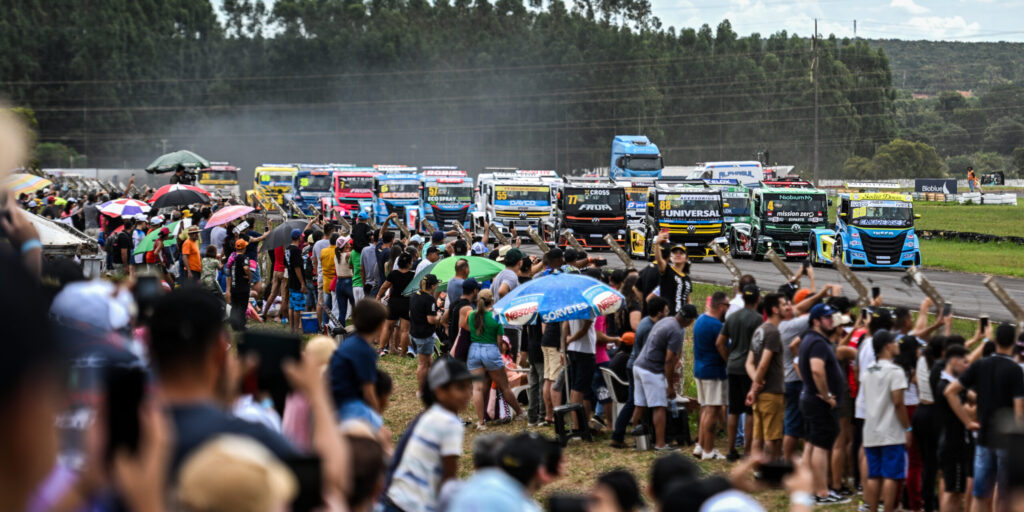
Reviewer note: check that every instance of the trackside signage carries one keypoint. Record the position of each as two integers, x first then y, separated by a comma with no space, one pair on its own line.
934,185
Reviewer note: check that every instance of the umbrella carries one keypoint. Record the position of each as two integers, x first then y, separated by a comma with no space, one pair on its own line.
179,195
124,207
178,160
282,235
228,214
25,183
558,297
479,269
146,244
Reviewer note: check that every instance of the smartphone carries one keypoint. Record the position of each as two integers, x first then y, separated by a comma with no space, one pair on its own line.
772,473
875,292
865,312
272,349
806,264
125,390
147,292
947,308
983,322
307,471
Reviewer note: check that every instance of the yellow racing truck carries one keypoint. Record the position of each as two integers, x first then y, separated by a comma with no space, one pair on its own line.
271,181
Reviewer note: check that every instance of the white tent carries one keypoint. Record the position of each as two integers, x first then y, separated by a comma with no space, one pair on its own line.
60,239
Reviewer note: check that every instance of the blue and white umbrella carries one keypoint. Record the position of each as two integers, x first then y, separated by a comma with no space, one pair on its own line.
558,297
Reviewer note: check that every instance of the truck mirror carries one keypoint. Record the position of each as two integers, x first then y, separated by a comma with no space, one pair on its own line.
725,205
842,214
917,215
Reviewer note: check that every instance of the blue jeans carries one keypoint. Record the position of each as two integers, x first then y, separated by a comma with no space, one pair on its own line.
356,409
626,414
990,466
343,291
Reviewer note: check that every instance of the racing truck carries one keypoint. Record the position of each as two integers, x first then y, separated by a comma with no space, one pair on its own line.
397,190
590,208
313,183
353,190
271,182
782,215
447,196
220,179
635,156
872,230
747,172
690,213
638,191
735,200
520,199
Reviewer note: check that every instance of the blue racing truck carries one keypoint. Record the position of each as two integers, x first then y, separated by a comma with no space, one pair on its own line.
397,190
313,183
447,196
872,230
635,156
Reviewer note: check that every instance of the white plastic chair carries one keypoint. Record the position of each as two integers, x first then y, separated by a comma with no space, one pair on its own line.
610,379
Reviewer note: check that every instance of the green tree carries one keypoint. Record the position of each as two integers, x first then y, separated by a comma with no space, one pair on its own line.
1004,135
905,159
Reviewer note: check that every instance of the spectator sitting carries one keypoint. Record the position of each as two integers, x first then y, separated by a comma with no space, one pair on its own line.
353,367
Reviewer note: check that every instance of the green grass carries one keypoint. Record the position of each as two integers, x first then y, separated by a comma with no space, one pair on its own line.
983,258
992,219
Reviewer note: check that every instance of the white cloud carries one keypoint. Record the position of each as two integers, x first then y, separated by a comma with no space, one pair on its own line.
937,27
909,6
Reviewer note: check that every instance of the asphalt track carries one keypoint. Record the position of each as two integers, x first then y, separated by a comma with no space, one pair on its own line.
967,292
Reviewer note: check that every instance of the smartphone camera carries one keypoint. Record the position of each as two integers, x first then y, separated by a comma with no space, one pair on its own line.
983,322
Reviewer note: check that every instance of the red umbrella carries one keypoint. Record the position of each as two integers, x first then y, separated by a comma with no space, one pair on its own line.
228,214
175,188
179,195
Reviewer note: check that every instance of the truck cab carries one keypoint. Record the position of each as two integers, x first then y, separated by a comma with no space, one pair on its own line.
220,179
274,182
590,208
735,200
692,214
872,230
353,190
747,173
638,191
397,190
782,215
313,183
447,196
635,156
520,199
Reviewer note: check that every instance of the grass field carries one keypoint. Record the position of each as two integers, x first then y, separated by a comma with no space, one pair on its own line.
991,258
993,219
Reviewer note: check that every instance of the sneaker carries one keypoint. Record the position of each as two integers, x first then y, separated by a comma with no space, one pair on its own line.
521,416
481,426
863,508
596,425
698,451
713,455
843,499
618,445
665,449
383,352
638,430
843,491
831,499
534,424
733,456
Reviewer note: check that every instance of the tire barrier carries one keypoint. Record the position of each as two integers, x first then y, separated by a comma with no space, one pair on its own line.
964,236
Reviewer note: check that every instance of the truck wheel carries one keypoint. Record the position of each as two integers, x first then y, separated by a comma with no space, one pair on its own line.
837,251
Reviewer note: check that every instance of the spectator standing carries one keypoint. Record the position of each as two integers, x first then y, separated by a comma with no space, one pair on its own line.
709,369
398,304
887,424
211,265
123,247
457,316
454,287
674,284
956,443
484,359
361,232
190,253
296,282
238,281
764,366
998,382
344,270
423,319
432,255
217,236
733,344
328,270
503,283
368,266
278,284
657,308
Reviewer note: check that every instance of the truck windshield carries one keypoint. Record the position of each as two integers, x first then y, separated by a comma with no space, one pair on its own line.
231,176
355,182
399,190
597,200
736,205
883,213
522,195
441,194
795,207
643,163
689,206
315,183
277,179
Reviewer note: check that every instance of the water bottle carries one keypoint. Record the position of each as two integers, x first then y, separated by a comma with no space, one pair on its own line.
673,408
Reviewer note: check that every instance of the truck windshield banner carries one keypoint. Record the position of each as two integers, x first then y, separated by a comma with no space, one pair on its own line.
449,194
689,206
595,201
787,207
521,195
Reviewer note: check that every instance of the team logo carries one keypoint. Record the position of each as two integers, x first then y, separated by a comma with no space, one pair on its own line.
521,310
522,215
691,229
795,228
595,220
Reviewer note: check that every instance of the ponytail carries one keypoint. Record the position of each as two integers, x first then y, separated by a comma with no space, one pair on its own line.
483,300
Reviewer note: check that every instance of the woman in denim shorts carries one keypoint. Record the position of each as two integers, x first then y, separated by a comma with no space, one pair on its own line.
486,335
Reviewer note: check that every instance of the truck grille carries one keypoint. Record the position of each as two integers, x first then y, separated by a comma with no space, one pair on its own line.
400,210
591,234
883,251
447,217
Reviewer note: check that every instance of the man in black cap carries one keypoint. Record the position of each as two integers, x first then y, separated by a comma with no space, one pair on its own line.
733,344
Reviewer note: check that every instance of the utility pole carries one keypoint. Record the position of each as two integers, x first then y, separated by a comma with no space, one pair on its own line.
815,45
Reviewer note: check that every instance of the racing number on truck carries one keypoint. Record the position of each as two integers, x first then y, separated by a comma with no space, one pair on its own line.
501,195
432,191
573,199
664,205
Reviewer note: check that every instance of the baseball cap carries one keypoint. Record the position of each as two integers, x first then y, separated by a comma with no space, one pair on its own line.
470,285
675,246
512,257
479,248
821,310
688,311
628,338
437,237
364,215
801,294
751,290
296,234
416,239
241,244
141,217
445,371
430,280
164,231
156,221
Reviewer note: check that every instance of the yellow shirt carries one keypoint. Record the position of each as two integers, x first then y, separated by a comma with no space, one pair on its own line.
327,266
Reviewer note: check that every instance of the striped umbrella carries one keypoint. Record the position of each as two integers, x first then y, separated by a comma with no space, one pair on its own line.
123,207
228,214
25,183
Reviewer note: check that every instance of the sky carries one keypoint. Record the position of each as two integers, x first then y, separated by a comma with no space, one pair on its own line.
951,20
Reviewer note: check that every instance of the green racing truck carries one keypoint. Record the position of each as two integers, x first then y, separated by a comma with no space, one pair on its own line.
782,216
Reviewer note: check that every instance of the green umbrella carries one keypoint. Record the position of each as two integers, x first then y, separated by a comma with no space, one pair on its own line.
479,269
178,160
146,244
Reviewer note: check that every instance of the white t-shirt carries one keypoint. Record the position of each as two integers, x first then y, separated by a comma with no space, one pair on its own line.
735,305
424,263
865,358
417,480
882,426
137,237
217,236
586,344
924,386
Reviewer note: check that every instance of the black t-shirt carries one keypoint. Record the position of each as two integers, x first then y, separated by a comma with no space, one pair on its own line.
360,235
954,438
239,281
123,241
421,305
552,336
533,337
618,323
252,251
675,289
648,279
997,380
293,265
815,346
399,281
453,317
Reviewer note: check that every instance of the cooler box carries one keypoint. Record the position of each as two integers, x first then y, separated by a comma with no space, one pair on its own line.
309,323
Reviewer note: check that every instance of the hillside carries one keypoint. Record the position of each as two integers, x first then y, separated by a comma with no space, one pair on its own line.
930,67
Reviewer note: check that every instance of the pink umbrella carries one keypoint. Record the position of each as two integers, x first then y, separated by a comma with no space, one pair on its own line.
228,214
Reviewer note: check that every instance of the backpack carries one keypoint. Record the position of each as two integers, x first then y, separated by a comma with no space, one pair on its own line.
308,272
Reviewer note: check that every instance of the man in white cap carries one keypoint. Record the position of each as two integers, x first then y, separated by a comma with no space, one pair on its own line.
141,229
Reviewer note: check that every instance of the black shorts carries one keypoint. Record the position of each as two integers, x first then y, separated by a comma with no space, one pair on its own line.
398,309
739,386
956,469
581,374
821,422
